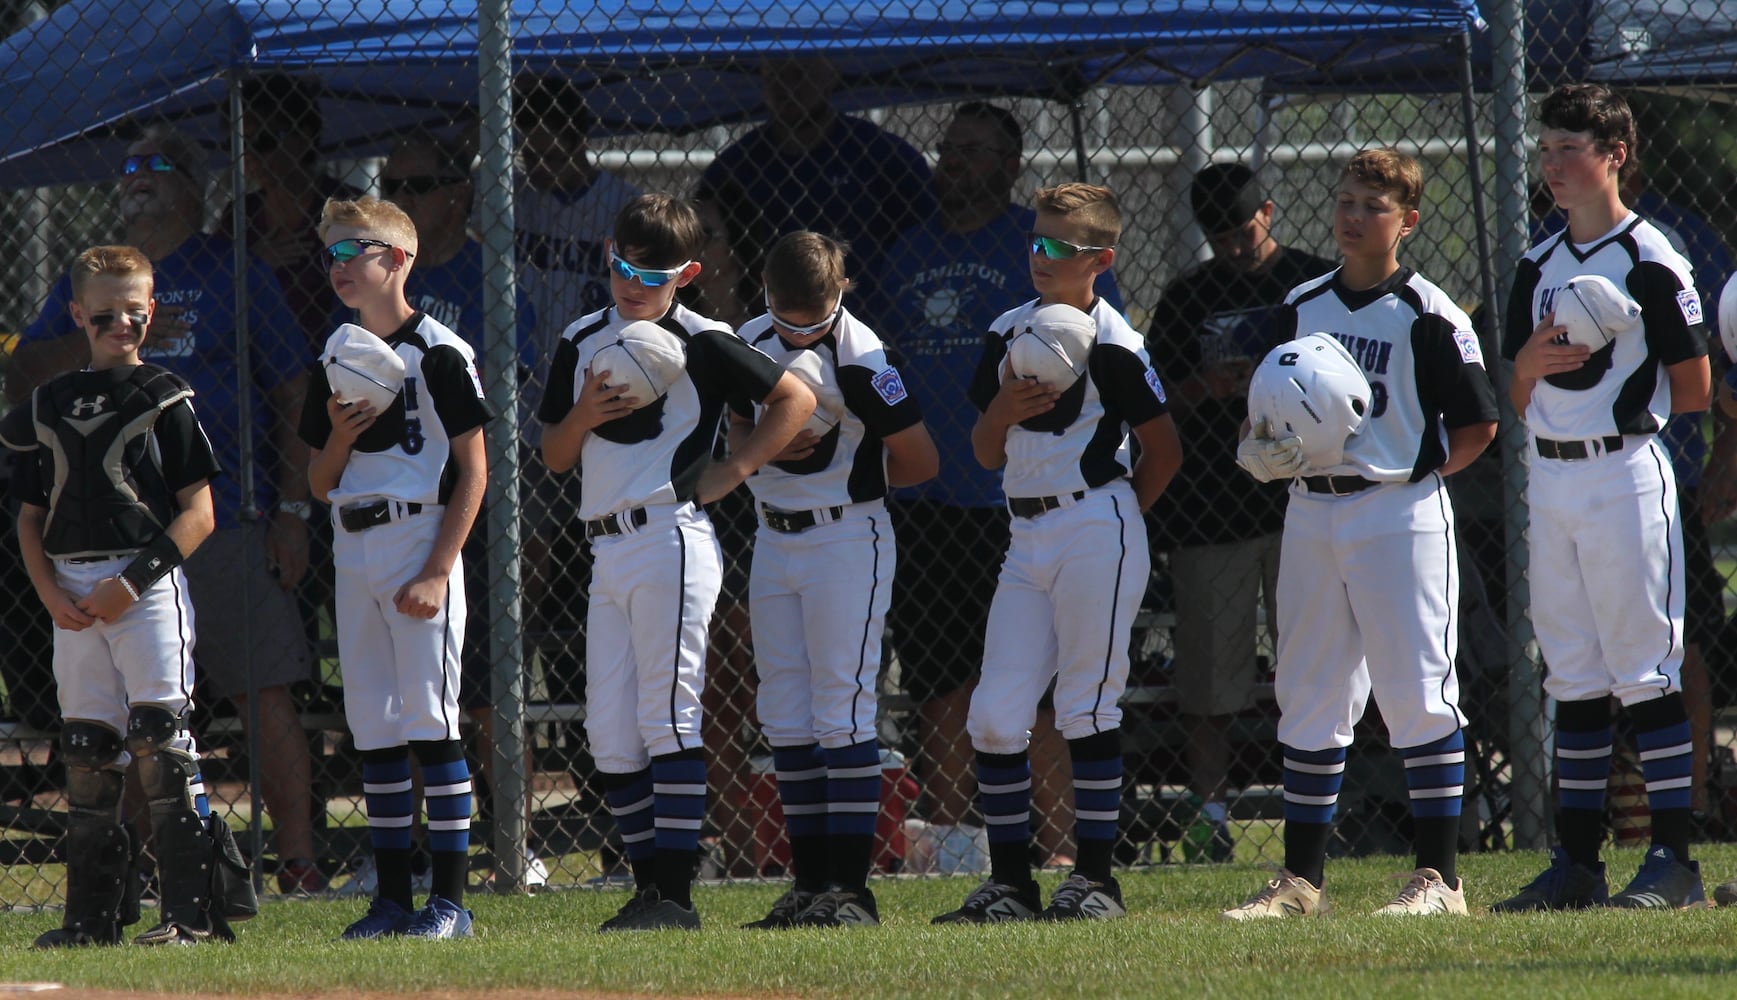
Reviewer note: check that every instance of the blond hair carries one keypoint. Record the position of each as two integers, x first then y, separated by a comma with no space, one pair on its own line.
380,218
110,261
1389,171
1094,207
805,271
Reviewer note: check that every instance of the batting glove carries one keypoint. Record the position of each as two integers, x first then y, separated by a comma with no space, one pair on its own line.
1267,458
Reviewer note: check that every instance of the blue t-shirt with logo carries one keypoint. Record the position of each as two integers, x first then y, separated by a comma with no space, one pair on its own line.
941,292
452,294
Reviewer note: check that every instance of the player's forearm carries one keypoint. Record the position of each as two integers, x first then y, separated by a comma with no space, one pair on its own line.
35,363
787,409
1520,393
1160,459
325,470
292,451
196,521
1465,444
562,442
36,562
989,442
456,522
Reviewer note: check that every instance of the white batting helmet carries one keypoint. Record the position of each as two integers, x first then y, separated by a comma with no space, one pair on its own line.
1595,311
814,372
644,359
360,366
1053,345
1728,318
1311,387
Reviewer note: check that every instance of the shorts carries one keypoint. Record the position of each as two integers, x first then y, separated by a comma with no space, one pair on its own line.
246,621
1217,589
949,559
1703,587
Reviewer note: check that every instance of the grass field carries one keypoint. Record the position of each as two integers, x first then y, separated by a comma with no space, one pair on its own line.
1172,944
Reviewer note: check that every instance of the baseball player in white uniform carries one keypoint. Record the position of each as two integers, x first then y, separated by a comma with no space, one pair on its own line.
1605,542
646,467
405,482
822,576
1368,594
1077,565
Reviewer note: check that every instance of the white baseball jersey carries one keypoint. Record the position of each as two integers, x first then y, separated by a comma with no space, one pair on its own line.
1082,443
562,262
1368,595
1422,358
1622,388
654,455
818,598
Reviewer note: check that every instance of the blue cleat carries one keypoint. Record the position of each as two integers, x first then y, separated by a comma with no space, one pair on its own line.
1563,886
384,919
440,920
1663,883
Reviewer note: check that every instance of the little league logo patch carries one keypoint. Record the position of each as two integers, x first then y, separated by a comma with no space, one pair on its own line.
1689,301
888,383
1471,352
1157,385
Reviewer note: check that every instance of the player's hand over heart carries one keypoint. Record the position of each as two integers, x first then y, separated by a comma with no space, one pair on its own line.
1541,356
599,402
421,598
1020,399
800,447
349,420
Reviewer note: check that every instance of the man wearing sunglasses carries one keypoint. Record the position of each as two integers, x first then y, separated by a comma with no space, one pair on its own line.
193,333
944,283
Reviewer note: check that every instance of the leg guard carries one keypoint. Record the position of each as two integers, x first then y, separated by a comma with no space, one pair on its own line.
184,849
101,892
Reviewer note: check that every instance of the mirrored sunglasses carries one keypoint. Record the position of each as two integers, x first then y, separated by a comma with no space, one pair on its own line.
155,163
810,329
650,277
345,251
392,187
1059,249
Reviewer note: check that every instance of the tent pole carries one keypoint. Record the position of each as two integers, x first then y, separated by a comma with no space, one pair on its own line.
1076,115
500,368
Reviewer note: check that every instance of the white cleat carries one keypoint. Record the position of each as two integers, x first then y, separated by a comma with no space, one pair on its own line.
1284,896
1425,893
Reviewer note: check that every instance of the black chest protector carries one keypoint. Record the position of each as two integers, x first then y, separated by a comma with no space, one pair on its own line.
106,491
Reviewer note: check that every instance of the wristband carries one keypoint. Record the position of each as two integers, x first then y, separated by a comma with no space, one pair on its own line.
152,563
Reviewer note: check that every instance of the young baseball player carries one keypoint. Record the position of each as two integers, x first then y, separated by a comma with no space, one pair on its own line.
1077,564
115,493
1605,542
405,483
1368,584
646,467
822,577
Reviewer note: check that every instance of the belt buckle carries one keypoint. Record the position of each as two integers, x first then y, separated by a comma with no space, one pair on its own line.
1333,486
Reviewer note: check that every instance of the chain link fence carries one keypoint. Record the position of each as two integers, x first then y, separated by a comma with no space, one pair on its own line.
921,154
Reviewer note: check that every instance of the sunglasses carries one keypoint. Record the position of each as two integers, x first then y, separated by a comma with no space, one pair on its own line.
1058,249
392,187
345,251
156,163
102,321
810,329
650,277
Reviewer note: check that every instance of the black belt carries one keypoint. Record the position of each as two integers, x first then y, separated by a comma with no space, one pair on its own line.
615,524
790,522
1033,506
81,560
1338,486
1574,451
362,516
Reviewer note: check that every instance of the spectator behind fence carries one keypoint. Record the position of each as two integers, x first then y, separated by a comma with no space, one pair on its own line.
945,281
1221,529
246,572
429,178
810,167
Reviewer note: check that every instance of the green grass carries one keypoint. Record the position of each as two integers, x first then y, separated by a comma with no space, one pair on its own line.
1171,945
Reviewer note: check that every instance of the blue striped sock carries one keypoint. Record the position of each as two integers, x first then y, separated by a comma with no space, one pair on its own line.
1667,761
802,788
1582,768
1004,795
446,796
678,801
1097,798
386,794
1435,775
629,799
853,789
1312,779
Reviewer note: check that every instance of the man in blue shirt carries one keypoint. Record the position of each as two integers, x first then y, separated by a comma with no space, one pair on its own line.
944,281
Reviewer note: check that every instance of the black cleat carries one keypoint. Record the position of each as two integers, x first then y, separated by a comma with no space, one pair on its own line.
841,908
1079,898
1563,886
995,903
784,912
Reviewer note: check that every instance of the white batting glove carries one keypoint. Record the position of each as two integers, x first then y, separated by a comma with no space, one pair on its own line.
1267,458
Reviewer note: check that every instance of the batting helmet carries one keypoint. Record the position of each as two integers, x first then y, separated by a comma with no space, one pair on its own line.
1728,318
1312,388
644,358
361,366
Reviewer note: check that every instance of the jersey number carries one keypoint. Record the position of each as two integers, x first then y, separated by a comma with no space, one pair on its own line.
413,439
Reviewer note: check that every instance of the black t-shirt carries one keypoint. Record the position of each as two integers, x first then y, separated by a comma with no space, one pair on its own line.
1212,313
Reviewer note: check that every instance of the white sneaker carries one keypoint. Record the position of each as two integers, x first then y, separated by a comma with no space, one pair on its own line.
536,874
365,881
1425,893
1285,896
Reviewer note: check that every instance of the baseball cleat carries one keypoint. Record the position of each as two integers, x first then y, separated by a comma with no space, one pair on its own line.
170,932
1663,883
1285,896
78,937
650,912
995,903
1426,892
1563,886
841,908
440,920
383,919
784,911
1079,898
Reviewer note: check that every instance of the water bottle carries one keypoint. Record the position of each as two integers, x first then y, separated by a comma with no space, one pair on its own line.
1197,837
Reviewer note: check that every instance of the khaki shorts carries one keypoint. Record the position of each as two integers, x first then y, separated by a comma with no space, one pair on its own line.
1216,588
264,628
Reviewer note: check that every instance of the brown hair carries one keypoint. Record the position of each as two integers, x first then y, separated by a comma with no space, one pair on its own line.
805,270
1389,171
113,261
382,218
660,229
1093,206
1596,109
